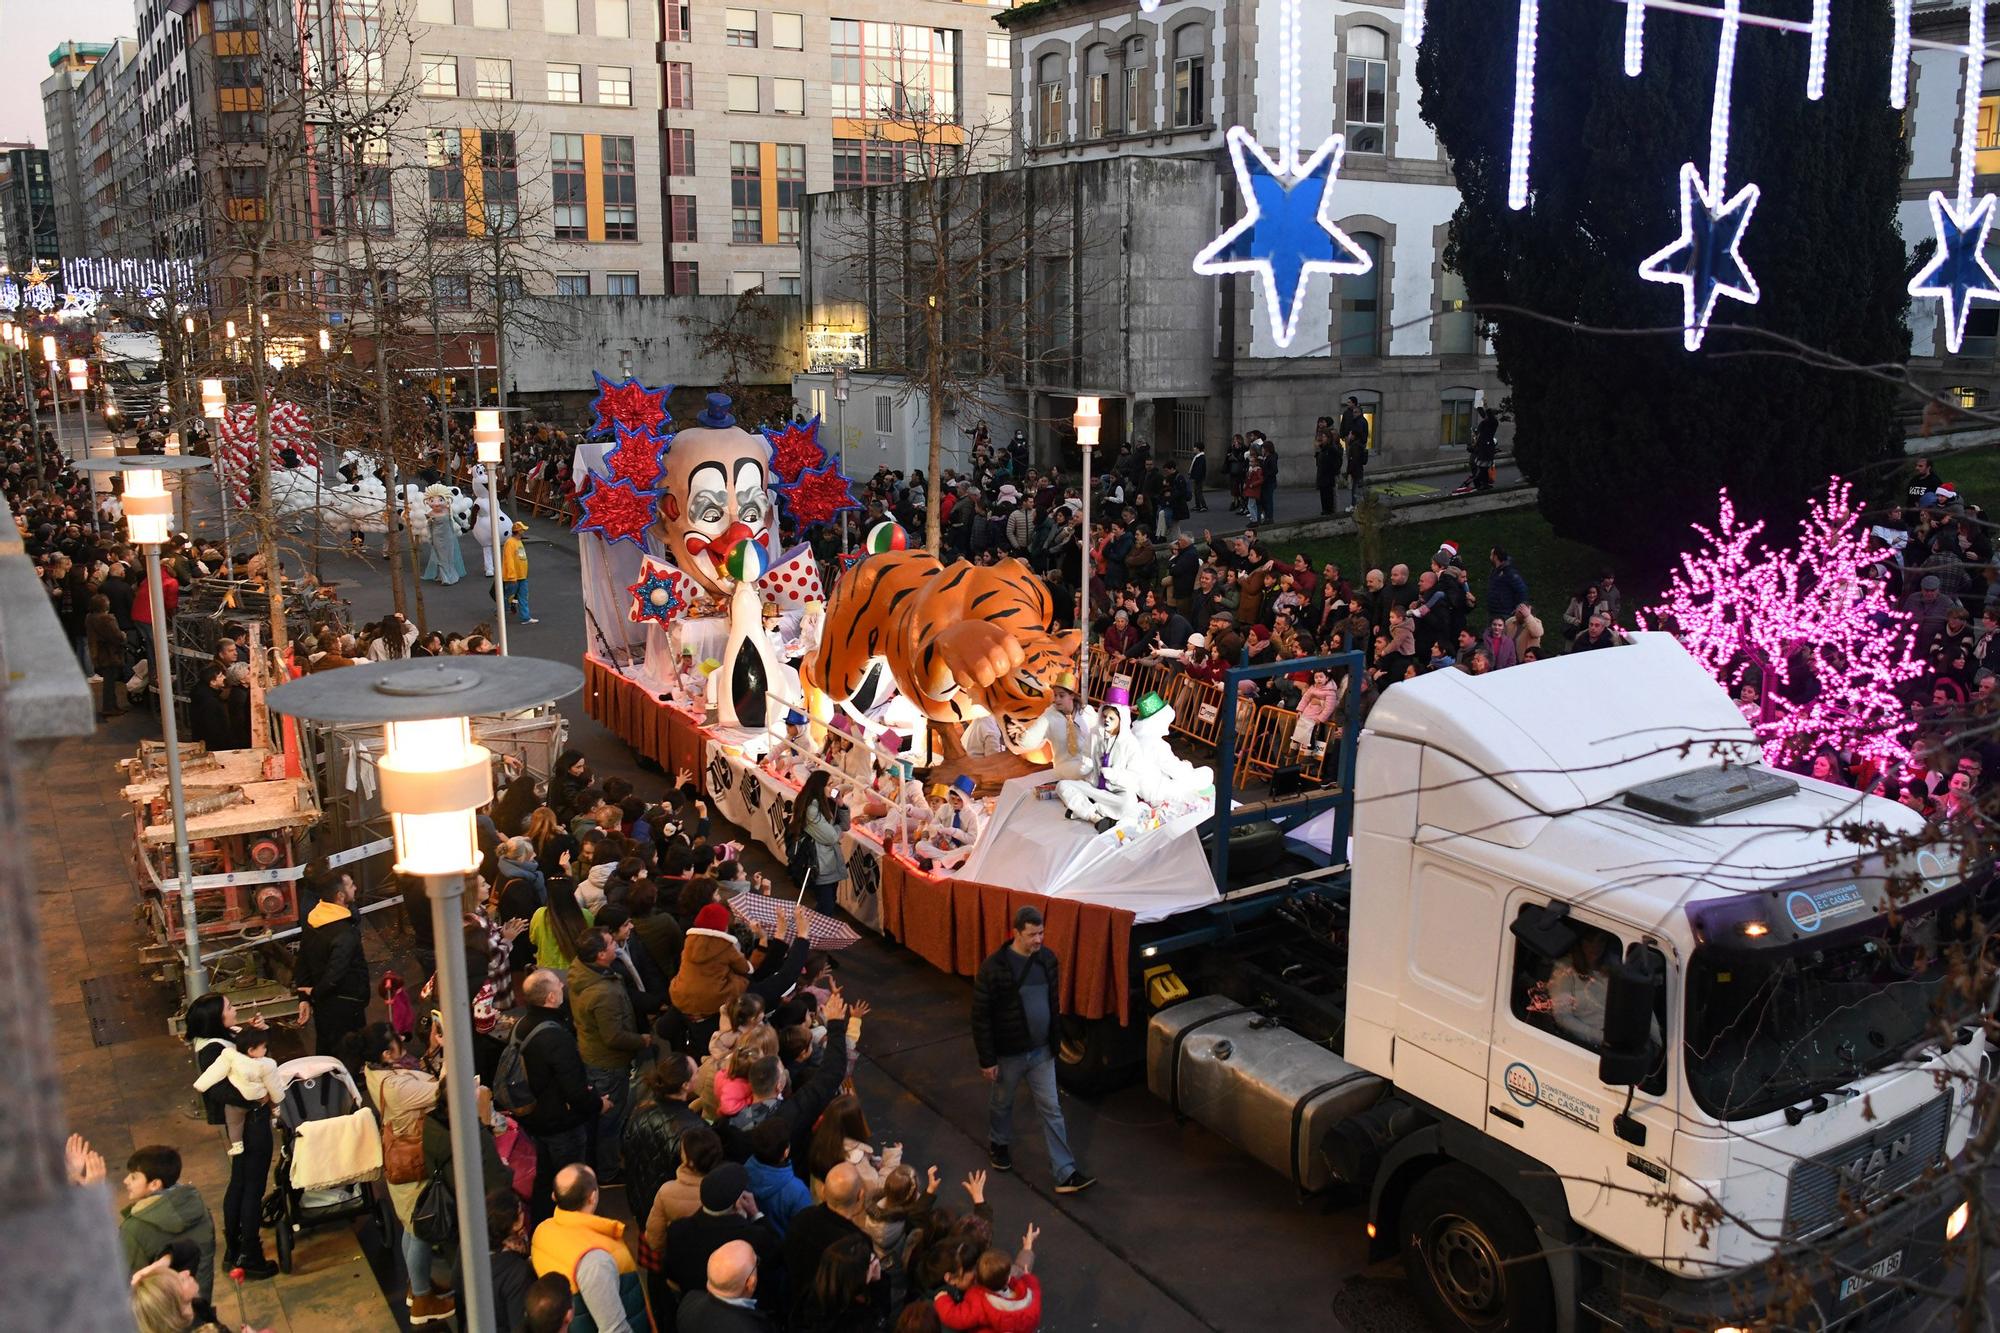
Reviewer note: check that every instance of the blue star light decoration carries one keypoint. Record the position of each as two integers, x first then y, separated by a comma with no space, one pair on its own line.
1958,271
1705,262
1288,233
654,596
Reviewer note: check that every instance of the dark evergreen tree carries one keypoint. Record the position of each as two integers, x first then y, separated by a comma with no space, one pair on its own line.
1629,437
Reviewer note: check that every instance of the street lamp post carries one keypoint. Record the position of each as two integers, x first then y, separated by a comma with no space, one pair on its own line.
213,404
1088,421
319,472
433,781
79,380
487,439
149,512
51,354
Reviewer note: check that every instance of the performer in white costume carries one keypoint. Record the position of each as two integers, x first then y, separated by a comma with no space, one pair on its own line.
946,848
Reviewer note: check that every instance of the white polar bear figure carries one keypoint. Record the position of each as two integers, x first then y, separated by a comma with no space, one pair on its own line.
358,505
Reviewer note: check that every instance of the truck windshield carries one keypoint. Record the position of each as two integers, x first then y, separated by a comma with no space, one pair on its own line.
1768,1029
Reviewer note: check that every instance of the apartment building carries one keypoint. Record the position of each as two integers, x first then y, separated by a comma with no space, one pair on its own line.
62,113
28,209
106,132
165,193
763,105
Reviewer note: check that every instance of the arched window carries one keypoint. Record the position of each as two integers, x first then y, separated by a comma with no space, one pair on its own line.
1367,90
1455,419
1190,75
1138,88
1361,304
1456,335
1097,92
1049,98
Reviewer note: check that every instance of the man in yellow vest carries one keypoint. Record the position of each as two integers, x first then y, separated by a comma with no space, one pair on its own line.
514,574
590,1253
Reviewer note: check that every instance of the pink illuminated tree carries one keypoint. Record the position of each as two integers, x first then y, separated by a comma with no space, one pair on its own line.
1815,631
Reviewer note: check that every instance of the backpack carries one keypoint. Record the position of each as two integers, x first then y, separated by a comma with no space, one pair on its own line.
512,1092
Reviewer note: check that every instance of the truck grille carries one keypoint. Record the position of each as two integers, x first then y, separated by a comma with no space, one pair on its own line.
1889,1157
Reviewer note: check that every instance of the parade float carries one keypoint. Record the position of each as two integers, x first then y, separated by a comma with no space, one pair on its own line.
713,652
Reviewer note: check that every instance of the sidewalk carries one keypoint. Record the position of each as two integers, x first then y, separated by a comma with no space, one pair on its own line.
125,1081
1299,503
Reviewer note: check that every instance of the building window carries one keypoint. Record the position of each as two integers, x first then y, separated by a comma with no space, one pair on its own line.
444,158
428,11
787,284
888,70
1049,127
680,85
871,162
999,53
788,32
739,27
621,284
559,16
500,180
681,219
743,92
1138,95
1190,76
239,72
788,96
1367,90
495,78
565,83
745,280
746,195
614,18
489,13
572,284
791,190
1097,92
1360,303
568,185
374,209
684,278
614,85
680,152
1456,335
451,291
440,76
1455,419
885,414
677,20
621,189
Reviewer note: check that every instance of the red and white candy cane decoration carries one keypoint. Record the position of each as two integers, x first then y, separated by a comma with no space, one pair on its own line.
237,438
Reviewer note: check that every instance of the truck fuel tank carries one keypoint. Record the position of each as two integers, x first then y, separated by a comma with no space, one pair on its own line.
1269,1091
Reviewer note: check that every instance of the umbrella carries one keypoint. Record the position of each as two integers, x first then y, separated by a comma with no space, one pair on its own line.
824,932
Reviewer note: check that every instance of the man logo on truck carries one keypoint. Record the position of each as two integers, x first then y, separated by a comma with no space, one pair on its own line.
1866,1170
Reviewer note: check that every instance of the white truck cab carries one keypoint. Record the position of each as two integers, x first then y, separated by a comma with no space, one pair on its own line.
1643,1017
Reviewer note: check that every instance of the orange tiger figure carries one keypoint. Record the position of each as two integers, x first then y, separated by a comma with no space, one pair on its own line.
962,642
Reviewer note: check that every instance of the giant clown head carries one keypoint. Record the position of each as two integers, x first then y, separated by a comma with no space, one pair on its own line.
716,493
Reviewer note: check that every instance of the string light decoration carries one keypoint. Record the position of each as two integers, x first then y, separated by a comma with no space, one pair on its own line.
1809,626
1958,270
1288,232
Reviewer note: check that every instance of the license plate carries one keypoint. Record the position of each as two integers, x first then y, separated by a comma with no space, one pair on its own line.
1881,1268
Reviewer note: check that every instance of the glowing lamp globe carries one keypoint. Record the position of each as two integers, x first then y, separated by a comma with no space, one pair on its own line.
49,352
149,510
212,399
434,779
747,562
486,434
1088,420
79,374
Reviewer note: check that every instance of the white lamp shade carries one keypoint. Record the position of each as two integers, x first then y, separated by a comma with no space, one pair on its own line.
79,374
188,324
212,400
434,779
325,341
149,510
486,434
229,328
49,352
1088,420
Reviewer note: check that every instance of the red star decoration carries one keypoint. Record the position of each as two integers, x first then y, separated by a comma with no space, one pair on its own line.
816,497
628,406
795,449
616,510
635,458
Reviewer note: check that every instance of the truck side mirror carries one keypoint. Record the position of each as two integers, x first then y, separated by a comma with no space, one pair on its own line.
1629,1053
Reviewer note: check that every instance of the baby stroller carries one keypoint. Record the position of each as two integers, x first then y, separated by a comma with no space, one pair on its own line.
329,1152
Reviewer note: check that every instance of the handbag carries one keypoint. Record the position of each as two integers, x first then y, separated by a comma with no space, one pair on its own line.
402,1159
434,1216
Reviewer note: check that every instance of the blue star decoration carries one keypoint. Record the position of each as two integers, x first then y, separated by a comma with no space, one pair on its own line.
654,596
1288,233
1958,271
1705,262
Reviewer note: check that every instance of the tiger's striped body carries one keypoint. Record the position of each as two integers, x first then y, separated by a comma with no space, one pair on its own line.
962,642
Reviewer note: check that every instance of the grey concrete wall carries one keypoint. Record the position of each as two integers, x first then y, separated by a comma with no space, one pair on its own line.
660,335
1284,398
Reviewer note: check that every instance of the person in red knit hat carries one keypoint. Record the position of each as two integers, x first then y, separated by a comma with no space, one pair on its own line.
996,1294
713,969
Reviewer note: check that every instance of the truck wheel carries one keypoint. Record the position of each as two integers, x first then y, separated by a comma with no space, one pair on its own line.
1098,1055
1471,1254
